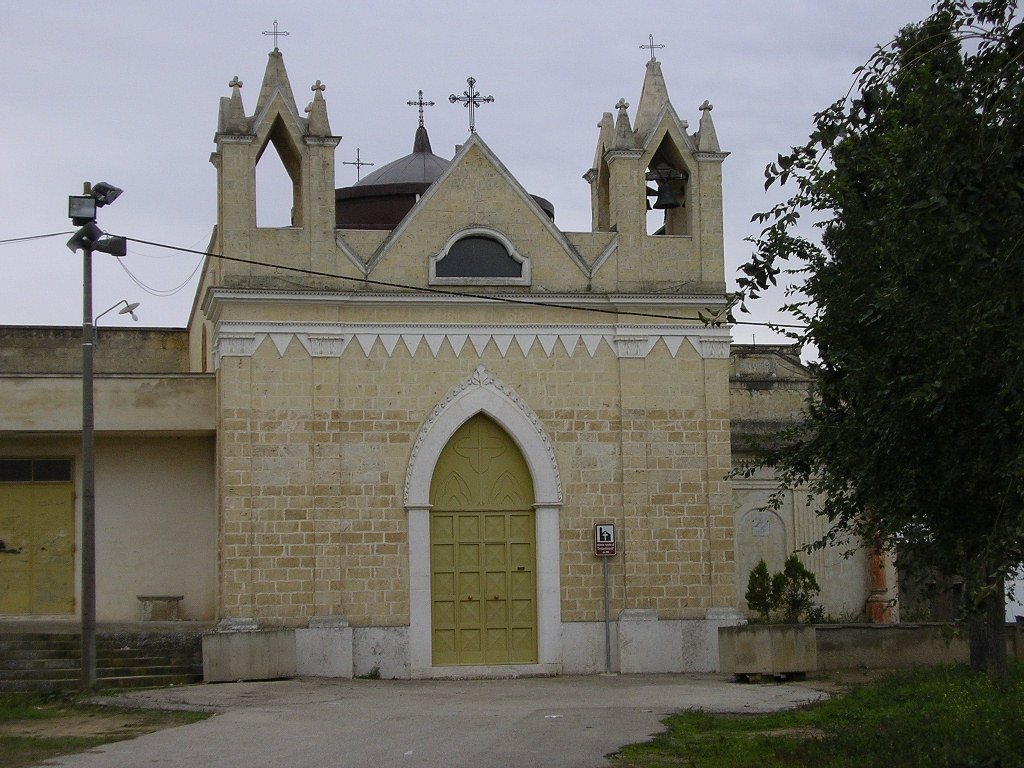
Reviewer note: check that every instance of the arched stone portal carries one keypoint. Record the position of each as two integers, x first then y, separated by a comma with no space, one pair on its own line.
481,393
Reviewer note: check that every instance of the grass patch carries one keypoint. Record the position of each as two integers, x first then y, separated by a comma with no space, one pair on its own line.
35,727
928,718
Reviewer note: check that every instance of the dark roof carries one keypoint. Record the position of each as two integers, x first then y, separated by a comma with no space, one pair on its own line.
420,167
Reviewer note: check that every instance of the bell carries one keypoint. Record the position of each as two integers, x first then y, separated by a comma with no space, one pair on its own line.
666,198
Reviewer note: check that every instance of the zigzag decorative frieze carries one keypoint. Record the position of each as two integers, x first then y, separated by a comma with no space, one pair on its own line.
243,339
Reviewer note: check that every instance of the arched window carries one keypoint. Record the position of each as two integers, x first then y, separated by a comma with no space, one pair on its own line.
479,257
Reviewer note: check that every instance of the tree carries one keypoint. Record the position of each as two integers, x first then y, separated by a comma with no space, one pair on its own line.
760,594
913,295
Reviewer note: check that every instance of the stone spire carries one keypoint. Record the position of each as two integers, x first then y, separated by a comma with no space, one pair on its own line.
624,138
605,137
318,124
707,138
653,99
275,80
232,114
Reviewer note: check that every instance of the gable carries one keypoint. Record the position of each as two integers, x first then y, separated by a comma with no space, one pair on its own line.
477,195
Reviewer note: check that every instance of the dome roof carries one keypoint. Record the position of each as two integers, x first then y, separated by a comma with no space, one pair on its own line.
420,167
382,199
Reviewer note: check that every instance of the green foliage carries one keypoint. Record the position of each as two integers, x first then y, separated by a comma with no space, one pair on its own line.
760,595
796,589
788,594
912,292
944,716
35,726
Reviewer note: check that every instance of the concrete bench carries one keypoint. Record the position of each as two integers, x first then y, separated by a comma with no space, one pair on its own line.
170,601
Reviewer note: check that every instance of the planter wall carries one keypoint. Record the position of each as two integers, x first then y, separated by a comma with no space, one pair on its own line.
767,649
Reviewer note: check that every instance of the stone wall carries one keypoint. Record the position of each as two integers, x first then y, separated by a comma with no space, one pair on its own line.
53,349
315,453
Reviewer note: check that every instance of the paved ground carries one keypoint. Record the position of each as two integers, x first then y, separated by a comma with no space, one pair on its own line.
553,722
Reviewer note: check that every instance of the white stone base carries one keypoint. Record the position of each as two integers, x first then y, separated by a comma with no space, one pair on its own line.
249,655
324,649
640,643
583,651
384,649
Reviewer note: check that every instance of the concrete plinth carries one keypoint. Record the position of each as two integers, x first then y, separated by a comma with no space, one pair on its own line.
324,649
249,655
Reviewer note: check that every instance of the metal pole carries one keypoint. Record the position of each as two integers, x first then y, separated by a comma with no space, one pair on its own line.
88,486
607,620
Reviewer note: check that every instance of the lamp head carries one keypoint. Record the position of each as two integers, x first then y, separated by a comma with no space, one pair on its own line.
105,193
129,309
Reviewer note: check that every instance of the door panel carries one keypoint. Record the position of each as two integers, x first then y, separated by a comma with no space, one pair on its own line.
483,561
37,527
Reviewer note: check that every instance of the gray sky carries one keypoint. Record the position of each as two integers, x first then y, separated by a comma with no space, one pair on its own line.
127,92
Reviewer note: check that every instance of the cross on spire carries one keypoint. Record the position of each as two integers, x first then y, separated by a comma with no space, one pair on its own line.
471,99
651,46
421,104
235,82
358,163
276,34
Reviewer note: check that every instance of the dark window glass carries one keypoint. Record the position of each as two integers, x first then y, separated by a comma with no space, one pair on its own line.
51,470
15,470
35,470
477,256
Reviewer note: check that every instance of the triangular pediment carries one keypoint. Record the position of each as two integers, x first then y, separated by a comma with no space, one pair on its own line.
667,123
475,191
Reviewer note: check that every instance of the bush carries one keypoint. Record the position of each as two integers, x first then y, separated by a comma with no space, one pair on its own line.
788,594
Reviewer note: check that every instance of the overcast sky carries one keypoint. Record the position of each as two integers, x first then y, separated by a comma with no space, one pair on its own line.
127,92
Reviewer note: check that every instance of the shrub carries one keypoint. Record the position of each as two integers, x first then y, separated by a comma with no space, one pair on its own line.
790,593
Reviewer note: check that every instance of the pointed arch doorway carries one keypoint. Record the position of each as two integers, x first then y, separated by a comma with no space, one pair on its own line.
483,395
482,551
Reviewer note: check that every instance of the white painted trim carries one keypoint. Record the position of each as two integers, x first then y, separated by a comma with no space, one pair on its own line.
488,232
216,296
243,339
482,393
350,254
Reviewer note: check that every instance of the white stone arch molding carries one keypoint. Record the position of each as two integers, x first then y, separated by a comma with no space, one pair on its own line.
493,234
483,393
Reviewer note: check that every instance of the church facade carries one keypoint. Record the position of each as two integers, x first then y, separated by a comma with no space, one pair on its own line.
408,412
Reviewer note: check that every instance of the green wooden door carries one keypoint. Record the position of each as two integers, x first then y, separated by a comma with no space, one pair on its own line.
482,551
37,528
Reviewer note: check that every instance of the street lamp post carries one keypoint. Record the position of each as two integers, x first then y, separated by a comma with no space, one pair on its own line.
82,210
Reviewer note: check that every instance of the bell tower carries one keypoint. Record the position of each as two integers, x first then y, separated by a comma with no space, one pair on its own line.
660,188
305,146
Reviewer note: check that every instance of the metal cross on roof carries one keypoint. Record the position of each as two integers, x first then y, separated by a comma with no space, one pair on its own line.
357,163
421,104
652,46
276,34
471,99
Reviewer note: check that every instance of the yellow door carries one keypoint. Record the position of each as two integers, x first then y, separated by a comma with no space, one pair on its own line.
37,531
482,551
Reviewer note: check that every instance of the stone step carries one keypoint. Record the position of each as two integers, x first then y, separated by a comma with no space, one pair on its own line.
50,661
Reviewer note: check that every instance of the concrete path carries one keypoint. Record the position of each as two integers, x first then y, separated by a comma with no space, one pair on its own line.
529,723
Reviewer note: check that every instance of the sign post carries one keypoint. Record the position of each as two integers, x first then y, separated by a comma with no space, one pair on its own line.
604,547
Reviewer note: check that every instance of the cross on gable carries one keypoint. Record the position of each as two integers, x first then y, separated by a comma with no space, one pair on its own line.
276,34
318,86
421,104
471,99
235,82
651,46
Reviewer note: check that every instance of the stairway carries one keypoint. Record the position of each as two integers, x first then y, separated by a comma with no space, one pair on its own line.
48,661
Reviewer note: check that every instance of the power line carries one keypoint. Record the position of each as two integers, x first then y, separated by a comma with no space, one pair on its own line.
34,237
439,291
